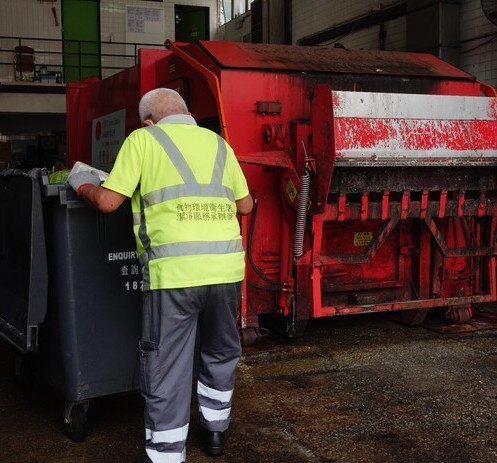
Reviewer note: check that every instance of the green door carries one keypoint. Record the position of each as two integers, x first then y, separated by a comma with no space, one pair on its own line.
192,23
81,39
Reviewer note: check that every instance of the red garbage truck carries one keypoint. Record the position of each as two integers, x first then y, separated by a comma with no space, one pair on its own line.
373,172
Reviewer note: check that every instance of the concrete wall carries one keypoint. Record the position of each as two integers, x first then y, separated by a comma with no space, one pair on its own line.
273,24
311,16
370,39
236,30
113,25
28,18
478,56
395,38
31,18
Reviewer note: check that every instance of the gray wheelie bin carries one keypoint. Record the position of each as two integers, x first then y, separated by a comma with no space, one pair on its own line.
70,296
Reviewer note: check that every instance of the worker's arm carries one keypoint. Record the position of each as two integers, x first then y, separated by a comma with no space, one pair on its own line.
87,185
244,206
103,199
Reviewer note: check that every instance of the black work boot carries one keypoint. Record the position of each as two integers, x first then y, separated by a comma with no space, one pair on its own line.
214,443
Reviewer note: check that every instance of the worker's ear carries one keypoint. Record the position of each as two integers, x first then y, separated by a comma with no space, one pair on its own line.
148,122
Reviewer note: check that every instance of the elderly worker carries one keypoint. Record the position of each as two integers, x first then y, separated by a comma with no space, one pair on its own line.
186,188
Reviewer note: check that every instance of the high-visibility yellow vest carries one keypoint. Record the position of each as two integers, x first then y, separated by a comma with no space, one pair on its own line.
187,233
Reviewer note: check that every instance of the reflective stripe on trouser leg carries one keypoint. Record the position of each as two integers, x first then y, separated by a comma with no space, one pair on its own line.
166,359
214,405
166,446
219,354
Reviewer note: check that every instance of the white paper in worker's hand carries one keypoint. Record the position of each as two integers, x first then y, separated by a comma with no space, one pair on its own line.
82,167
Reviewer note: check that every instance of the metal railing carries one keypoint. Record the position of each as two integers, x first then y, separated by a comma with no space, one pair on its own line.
74,57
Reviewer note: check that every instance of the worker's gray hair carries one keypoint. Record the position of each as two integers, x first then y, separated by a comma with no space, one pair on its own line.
161,102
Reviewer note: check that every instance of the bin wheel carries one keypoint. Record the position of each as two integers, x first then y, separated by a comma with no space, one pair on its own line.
76,425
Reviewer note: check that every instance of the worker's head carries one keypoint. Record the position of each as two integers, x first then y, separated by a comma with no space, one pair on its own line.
159,103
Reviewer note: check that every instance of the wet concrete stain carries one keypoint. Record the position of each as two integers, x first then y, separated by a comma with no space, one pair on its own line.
352,390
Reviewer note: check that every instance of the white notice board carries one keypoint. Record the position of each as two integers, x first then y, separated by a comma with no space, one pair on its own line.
144,24
107,137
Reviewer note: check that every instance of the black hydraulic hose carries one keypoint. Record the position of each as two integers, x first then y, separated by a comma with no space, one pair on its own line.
249,250
264,288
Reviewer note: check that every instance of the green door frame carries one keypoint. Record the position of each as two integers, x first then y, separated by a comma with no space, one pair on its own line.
81,57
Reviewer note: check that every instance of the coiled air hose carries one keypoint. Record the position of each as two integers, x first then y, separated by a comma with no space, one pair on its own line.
305,182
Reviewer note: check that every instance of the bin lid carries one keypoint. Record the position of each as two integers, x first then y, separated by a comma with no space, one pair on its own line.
23,260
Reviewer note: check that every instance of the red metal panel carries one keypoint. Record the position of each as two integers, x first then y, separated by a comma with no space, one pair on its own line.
148,60
323,142
342,240
242,90
76,138
120,91
452,138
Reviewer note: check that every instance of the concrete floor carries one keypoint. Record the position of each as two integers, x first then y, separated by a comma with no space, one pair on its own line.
353,389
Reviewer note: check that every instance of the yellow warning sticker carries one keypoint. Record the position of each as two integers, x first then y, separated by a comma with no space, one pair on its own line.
291,191
362,238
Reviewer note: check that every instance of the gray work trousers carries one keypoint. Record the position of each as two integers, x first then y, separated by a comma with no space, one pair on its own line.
169,326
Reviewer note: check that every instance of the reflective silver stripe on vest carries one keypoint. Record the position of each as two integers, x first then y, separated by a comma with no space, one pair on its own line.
192,248
173,153
182,191
190,187
217,174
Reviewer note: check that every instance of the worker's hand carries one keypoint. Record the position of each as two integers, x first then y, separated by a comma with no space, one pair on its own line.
82,178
